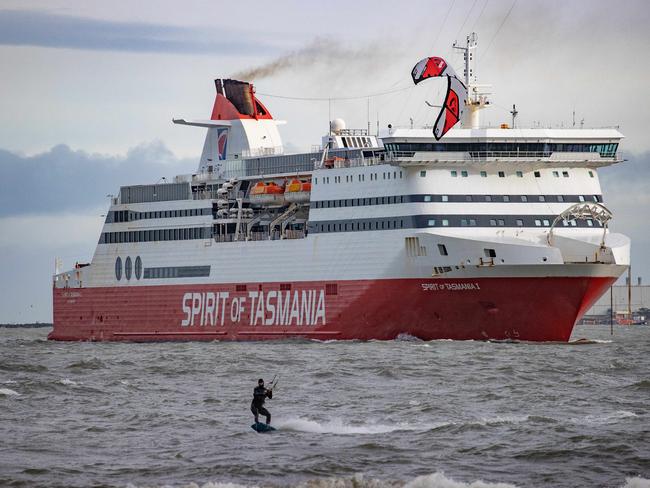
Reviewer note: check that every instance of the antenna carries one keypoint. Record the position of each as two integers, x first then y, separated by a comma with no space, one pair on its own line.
574,117
368,114
514,114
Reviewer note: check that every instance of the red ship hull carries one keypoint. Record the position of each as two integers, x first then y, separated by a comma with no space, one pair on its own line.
529,309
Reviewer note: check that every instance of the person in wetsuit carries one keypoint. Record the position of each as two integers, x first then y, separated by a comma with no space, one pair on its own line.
260,394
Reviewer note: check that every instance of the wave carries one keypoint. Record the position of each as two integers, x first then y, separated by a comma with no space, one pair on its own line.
8,392
210,484
502,419
434,480
439,480
636,482
406,337
22,367
337,426
583,341
68,382
640,385
93,363
608,418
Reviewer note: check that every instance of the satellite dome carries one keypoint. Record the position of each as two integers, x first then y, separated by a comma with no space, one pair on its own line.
337,125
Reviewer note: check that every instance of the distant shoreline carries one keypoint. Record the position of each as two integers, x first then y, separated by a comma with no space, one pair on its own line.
31,325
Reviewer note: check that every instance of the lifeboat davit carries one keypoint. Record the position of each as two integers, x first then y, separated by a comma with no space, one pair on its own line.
298,191
268,194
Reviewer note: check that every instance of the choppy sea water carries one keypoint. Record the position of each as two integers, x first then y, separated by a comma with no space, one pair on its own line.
422,414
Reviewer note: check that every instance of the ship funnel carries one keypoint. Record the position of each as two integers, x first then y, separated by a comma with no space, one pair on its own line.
236,100
239,93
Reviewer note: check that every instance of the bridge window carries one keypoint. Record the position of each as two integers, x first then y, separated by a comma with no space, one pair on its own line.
445,223
538,222
464,174
431,223
541,198
520,174
442,249
445,198
565,174
423,174
483,174
581,198
502,174
556,174
454,173
524,198
506,198
537,174
520,223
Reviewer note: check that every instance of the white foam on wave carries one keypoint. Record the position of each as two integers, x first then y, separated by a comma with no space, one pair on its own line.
439,480
636,482
211,484
501,419
434,480
8,392
337,426
608,418
68,382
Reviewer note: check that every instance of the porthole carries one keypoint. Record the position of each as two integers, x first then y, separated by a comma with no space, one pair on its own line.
118,268
127,268
138,268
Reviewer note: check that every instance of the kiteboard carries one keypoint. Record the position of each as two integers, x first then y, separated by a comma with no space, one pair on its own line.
261,428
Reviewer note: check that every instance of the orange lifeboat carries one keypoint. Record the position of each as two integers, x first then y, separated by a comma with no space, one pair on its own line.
268,194
298,191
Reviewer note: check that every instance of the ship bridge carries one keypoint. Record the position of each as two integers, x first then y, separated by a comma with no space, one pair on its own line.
504,147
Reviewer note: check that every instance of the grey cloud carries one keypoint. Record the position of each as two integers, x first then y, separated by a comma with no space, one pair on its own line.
30,28
66,180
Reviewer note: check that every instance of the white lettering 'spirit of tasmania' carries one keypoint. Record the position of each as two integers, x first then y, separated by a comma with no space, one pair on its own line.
286,308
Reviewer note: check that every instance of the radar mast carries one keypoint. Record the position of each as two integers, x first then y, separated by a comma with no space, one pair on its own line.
476,98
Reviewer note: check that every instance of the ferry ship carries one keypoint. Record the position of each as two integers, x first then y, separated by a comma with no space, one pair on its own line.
484,233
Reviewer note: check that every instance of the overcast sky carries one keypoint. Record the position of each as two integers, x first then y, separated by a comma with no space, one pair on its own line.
89,88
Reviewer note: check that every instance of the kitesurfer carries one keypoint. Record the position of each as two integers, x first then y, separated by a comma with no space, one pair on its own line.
260,394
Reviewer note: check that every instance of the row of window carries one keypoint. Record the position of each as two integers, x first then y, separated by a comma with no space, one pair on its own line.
177,272
128,268
502,174
356,141
187,233
393,199
423,221
605,150
386,175
130,215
